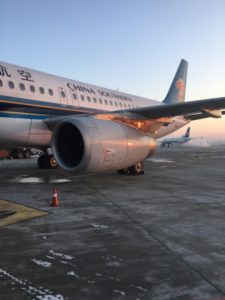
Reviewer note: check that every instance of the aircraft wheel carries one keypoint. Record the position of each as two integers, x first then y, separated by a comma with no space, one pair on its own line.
123,171
42,161
27,154
52,162
20,154
137,169
47,162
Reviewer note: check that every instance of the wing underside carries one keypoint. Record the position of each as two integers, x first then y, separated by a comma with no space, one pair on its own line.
148,119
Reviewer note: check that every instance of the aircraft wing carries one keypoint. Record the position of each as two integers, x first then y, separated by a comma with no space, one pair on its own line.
145,118
206,107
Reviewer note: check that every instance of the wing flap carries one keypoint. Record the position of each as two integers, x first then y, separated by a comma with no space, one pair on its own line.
199,116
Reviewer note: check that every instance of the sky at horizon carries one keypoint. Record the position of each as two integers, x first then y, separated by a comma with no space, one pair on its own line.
130,45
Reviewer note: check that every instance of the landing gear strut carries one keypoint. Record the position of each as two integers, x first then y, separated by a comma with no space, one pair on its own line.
136,169
47,161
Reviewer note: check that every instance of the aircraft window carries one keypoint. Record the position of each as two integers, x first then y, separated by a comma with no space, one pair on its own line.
100,100
74,96
89,99
1,84
63,94
32,88
106,102
11,84
111,103
82,97
95,100
41,90
50,91
22,86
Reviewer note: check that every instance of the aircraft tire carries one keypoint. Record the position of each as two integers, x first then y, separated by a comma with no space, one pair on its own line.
43,161
52,162
20,155
47,162
123,172
27,154
137,169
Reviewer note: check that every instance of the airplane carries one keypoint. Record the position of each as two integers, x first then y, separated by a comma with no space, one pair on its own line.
91,128
177,141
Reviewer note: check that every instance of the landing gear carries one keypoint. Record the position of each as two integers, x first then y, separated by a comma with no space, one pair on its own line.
27,154
20,154
123,172
136,169
46,161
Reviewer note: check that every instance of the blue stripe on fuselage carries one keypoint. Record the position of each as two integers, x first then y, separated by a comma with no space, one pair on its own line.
14,107
22,116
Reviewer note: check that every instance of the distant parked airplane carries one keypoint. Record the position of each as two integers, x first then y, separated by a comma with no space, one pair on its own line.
91,128
176,141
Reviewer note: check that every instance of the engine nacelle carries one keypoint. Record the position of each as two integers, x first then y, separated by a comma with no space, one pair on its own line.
89,144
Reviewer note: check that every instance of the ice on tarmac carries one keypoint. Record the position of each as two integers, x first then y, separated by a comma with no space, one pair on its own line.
45,264
37,293
65,256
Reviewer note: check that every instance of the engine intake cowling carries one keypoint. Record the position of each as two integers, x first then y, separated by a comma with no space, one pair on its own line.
89,144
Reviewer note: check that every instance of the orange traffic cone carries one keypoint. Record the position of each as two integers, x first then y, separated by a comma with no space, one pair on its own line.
55,199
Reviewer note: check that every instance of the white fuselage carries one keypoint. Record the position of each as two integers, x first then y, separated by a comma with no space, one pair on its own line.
27,97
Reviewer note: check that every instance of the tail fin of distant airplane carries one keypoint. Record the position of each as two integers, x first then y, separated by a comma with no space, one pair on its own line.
177,89
187,134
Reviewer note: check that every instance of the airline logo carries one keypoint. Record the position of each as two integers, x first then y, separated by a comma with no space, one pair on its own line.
180,85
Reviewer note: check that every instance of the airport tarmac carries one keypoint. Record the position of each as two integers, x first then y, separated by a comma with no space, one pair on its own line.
160,236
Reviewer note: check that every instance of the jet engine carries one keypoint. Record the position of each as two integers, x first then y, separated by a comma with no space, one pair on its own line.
95,145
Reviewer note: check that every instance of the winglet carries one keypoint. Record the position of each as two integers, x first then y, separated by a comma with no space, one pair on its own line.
177,89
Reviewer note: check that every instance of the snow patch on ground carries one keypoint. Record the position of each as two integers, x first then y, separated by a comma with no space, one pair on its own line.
37,293
160,160
99,226
120,292
41,263
50,297
71,273
58,254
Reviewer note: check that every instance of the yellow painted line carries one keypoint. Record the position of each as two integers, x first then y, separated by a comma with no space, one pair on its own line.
23,212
